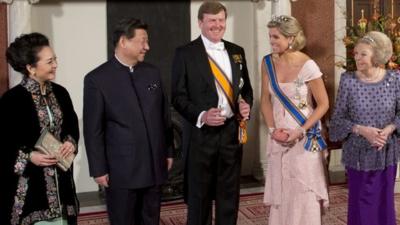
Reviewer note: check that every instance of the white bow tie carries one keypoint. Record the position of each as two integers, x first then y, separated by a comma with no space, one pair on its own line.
217,46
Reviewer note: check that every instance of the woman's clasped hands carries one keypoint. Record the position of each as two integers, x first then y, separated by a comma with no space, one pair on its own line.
375,136
41,159
287,137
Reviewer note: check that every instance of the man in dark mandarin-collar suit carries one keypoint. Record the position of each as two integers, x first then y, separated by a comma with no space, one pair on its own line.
127,129
213,154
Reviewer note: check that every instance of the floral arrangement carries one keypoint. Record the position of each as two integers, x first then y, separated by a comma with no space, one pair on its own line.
384,24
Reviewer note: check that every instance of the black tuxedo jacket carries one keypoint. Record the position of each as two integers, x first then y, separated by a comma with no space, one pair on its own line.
127,127
193,84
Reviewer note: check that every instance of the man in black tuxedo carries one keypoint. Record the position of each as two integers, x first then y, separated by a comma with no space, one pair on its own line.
127,128
211,90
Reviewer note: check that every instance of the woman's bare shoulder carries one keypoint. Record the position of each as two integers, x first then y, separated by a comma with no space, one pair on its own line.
303,58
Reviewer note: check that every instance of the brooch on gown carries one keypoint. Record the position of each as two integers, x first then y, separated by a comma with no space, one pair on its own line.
302,102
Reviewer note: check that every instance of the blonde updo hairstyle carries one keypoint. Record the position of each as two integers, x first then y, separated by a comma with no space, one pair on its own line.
381,46
289,27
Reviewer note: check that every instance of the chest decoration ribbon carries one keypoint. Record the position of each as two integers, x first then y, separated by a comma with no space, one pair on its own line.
226,87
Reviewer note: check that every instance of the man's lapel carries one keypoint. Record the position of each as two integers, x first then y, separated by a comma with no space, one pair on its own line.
201,57
235,70
204,66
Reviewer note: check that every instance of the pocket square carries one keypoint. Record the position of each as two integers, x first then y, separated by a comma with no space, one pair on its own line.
152,87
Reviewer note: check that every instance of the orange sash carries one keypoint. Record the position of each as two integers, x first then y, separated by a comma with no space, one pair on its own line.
222,81
226,86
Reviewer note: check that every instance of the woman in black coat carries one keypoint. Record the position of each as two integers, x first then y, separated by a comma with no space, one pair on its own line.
34,188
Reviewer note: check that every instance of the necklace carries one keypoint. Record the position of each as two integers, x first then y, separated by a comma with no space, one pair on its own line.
372,78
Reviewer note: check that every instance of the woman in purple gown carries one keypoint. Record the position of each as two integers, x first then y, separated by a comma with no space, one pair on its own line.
366,118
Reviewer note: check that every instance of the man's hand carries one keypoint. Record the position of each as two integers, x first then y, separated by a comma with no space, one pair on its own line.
244,109
213,117
170,161
102,180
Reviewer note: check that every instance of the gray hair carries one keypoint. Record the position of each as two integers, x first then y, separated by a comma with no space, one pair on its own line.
289,27
381,46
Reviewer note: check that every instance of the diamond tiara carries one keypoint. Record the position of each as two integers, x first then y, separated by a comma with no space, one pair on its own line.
279,19
368,39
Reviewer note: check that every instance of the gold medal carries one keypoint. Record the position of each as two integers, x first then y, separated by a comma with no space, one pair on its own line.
314,145
302,104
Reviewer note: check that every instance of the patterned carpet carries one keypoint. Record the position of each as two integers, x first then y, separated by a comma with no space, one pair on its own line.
251,212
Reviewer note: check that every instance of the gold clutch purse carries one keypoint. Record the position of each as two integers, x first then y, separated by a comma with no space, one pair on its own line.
50,145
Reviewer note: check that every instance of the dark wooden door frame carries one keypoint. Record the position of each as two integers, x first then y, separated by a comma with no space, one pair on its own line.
3,46
318,26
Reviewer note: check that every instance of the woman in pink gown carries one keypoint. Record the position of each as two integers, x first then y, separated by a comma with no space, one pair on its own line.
295,188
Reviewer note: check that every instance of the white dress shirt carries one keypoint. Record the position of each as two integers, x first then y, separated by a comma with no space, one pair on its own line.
218,52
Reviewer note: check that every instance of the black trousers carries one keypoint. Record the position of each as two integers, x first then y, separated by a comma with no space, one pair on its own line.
213,173
134,206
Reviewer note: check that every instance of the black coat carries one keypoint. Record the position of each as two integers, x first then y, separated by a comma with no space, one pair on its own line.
193,84
194,91
20,129
127,125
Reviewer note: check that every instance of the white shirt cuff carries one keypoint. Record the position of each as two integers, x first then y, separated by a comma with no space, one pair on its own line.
200,123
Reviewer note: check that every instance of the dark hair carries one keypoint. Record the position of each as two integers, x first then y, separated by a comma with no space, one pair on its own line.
126,27
24,51
210,7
